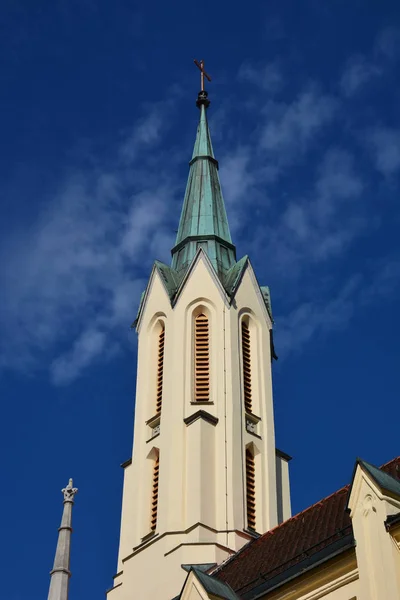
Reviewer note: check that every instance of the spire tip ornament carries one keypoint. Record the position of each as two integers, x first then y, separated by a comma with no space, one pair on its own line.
69,492
202,98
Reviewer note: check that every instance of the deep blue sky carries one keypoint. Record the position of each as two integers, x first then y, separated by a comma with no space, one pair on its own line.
97,126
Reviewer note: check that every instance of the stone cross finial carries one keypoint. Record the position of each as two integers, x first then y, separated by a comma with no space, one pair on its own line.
69,492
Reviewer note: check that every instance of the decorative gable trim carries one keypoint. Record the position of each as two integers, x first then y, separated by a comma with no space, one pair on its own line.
201,414
235,275
204,587
243,265
259,293
201,255
173,286
143,301
382,483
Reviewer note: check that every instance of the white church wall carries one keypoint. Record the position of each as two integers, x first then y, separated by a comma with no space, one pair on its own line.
377,558
248,301
201,514
283,488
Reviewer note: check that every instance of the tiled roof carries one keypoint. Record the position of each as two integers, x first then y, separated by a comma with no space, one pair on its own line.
320,527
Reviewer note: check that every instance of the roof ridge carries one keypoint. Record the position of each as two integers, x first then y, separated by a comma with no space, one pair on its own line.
345,487
274,529
396,458
297,515
316,528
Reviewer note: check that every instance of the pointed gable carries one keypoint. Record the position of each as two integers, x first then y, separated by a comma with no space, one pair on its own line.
205,586
384,480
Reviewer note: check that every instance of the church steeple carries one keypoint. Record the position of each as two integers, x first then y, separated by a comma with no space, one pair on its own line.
204,477
203,221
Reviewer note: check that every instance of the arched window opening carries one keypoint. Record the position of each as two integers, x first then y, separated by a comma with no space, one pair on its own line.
160,370
246,356
154,495
250,490
201,359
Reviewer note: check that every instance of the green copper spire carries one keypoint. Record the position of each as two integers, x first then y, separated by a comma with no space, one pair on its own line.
203,220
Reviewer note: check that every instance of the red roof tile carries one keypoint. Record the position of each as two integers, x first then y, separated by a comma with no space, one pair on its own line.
291,542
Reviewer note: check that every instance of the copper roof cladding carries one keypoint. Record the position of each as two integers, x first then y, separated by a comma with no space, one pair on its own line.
318,528
203,219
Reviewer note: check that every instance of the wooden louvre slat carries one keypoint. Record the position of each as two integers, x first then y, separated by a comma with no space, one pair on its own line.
250,490
160,370
201,359
246,367
154,497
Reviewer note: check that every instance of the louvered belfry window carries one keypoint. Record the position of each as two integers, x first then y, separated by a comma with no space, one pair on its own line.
201,359
250,490
154,495
246,367
160,370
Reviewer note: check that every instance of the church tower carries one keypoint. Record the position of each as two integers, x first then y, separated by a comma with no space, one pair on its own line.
205,476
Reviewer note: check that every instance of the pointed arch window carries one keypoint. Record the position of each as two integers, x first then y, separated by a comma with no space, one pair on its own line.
201,359
246,357
160,369
250,489
154,494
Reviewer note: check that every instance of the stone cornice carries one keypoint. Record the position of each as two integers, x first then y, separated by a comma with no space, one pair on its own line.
201,414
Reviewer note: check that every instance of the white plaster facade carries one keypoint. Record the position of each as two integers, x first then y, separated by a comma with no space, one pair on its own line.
378,554
201,501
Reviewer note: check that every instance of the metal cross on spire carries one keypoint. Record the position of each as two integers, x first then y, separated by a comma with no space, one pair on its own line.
200,65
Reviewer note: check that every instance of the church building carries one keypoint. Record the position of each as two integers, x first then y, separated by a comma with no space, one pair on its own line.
206,510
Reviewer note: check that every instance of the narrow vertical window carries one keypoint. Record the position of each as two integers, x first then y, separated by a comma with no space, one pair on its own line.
246,367
160,370
250,490
154,495
201,359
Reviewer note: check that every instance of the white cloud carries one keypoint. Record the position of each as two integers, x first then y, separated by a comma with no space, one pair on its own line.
357,73
150,128
315,318
73,281
361,70
236,174
290,128
321,223
337,180
86,348
384,144
310,319
75,278
269,77
388,43
146,133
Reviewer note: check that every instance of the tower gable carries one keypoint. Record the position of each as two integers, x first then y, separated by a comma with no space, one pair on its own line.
155,299
248,291
200,275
